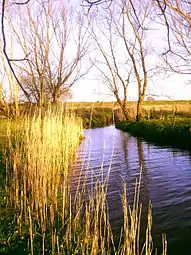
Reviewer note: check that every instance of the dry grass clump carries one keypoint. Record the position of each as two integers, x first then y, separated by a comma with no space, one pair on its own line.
40,153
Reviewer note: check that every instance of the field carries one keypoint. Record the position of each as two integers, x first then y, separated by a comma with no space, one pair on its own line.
102,112
180,105
151,109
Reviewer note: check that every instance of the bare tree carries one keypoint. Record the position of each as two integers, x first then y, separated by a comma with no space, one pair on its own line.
177,19
137,52
55,42
130,41
115,73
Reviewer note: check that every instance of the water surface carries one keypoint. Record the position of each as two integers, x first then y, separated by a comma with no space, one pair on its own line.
166,181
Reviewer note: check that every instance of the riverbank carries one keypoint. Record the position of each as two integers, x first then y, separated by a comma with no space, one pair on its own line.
161,132
95,117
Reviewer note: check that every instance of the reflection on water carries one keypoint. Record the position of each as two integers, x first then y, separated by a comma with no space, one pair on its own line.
166,181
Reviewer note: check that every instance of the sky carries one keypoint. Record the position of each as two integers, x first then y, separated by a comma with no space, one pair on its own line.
173,86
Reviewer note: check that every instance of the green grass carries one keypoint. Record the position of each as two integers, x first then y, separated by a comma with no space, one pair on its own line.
95,117
175,132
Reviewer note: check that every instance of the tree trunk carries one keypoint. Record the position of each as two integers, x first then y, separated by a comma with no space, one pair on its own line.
123,108
139,114
55,100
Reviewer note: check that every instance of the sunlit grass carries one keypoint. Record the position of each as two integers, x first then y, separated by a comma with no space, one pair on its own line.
114,104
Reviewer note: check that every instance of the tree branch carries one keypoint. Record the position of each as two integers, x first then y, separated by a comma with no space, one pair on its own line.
163,11
21,3
5,50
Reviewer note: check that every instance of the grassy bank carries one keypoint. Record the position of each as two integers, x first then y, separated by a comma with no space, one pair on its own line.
175,133
39,214
95,117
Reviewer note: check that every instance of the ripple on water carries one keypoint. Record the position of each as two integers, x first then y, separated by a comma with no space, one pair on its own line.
166,180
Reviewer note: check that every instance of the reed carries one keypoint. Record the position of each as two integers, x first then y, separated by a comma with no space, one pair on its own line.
40,152
49,218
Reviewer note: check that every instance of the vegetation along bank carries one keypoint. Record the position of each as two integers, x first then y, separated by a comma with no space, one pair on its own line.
161,132
96,117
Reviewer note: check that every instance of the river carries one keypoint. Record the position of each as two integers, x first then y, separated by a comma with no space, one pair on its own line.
166,181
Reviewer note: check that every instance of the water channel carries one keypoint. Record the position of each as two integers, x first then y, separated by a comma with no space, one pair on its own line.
166,181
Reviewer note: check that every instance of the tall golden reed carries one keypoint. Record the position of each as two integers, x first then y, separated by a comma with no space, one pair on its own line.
40,152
